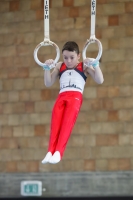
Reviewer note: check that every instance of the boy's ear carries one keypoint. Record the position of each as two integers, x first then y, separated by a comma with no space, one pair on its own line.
79,55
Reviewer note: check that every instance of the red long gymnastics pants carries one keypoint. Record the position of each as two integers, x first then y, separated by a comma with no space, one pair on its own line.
64,115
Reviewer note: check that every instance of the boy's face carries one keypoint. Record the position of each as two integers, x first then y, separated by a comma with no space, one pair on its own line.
71,58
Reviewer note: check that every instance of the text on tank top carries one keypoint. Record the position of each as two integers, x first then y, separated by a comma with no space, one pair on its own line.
72,79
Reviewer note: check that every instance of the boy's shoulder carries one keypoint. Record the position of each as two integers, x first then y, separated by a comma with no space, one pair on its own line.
58,65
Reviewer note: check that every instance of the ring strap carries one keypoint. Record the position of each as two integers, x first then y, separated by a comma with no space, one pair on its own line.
92,38
93,18
46,41
46,20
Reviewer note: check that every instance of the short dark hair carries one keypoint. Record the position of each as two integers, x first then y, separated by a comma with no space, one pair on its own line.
71,46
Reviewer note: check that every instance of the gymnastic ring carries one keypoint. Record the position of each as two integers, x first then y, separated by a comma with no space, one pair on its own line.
46,43
88,42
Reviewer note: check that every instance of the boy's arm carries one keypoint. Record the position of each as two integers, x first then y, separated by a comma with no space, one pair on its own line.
95,72
50,77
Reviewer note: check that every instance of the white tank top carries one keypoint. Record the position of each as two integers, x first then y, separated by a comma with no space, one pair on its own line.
72,79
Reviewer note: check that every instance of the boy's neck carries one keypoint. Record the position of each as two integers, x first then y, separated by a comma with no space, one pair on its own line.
74,66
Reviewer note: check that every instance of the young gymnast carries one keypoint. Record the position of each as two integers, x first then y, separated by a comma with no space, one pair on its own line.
72,76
